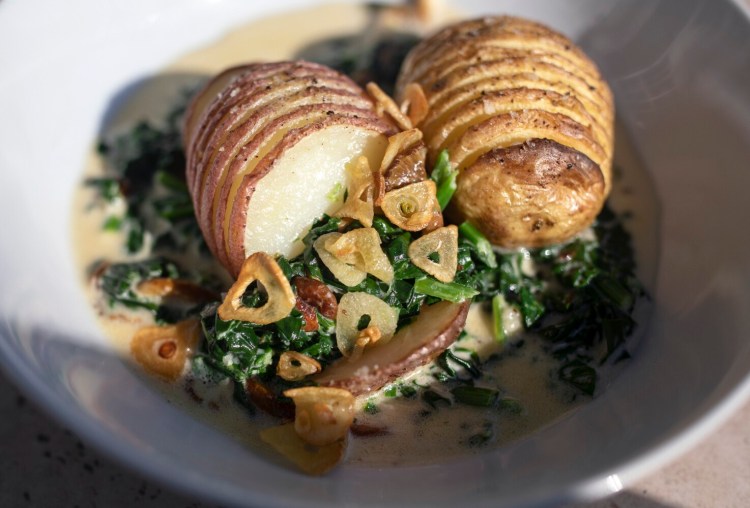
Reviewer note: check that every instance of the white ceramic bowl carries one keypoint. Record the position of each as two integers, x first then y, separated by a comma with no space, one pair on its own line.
681,75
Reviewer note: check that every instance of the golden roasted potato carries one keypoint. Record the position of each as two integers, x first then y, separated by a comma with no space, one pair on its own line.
267,147
526,119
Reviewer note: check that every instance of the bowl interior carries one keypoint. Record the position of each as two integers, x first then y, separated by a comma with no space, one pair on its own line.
681,75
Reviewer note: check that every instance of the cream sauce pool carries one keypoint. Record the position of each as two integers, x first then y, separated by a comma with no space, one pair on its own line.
415,434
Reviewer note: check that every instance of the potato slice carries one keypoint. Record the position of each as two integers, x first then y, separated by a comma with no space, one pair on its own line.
312,460
412,207
442,242
265,270
414,345
163,350
347,274
322,415
353,307
361,248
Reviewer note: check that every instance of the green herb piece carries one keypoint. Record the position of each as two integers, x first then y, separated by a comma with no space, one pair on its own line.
580,375
391,391
481,244
483,437
433,398
336,193
112,223
475,396
510,405
450,291
371,408
444,178
119,283
498,302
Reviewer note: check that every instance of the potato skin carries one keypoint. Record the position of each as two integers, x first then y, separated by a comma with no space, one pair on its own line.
526,119
529,195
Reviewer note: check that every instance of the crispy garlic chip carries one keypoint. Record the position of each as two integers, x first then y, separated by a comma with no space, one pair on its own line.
366,337
384,104
412,207
361,248
322,415
163,350
442,243
357,308
415,104
294,366
396,144
312,460
262,268
347,274
359,196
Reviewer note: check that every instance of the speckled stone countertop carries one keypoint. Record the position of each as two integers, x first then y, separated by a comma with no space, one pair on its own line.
45,465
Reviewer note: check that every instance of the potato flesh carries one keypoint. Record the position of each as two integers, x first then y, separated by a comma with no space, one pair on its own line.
291,196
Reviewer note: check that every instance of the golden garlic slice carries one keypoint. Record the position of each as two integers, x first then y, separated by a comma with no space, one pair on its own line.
353,307
384,104
163,350
347,274
359,198
262,268
322,415
442,242
312,460
412,207
361,248
415,104
294,366
367,337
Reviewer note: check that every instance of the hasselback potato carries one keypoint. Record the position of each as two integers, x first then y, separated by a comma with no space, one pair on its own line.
526,118
268,147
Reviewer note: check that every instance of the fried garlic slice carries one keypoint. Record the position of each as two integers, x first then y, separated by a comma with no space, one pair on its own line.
163,350
384,104
347,274
412,207
356,308
361,249
312,460
294,366
262,268
415,105
442,243
359,196
322,415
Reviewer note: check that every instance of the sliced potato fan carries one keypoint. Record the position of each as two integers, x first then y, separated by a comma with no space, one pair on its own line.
266,145
513,102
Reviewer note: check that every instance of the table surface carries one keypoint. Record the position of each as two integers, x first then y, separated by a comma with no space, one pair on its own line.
43,464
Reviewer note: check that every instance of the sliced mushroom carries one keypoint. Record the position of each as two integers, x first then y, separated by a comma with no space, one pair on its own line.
262,268
436,327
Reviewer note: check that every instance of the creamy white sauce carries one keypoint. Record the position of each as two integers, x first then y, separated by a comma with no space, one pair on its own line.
415,434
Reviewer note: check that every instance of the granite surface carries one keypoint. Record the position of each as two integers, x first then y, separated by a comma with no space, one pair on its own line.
44,465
